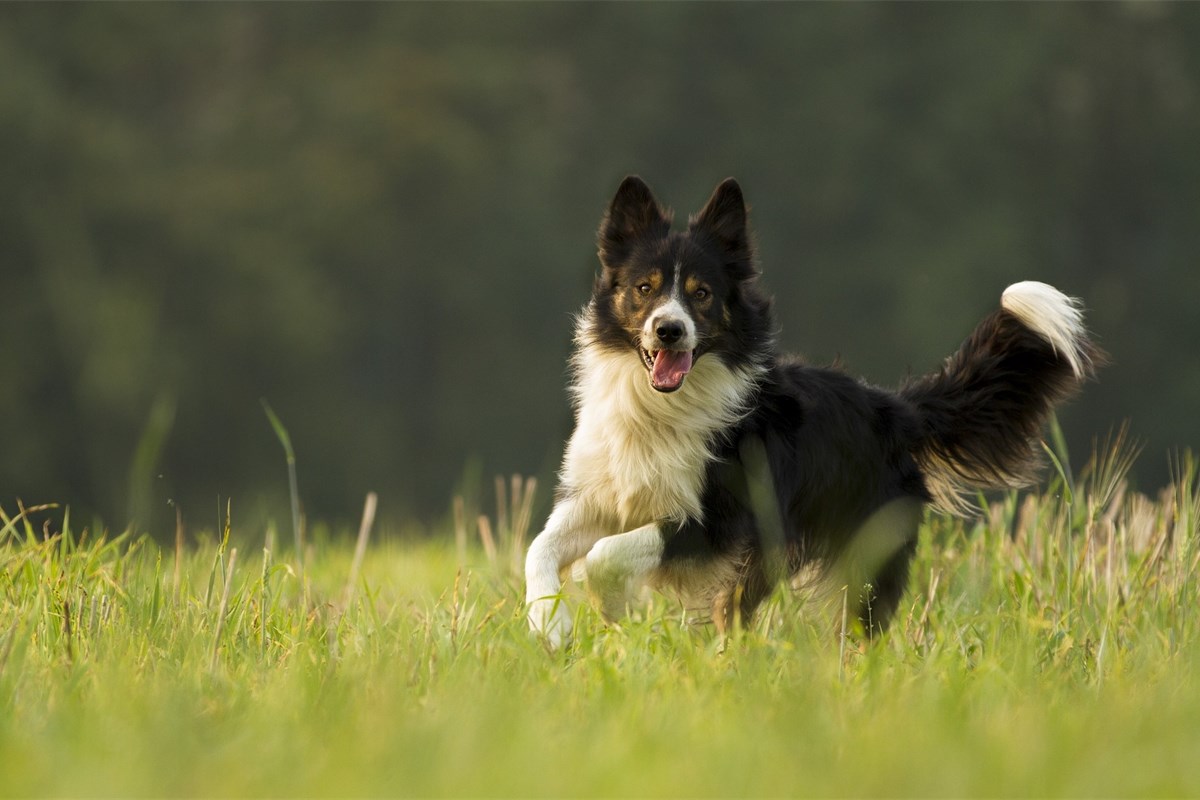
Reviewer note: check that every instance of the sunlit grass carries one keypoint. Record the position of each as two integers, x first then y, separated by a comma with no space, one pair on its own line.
1049,648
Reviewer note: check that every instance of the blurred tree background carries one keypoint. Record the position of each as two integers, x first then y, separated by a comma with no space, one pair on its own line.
380,218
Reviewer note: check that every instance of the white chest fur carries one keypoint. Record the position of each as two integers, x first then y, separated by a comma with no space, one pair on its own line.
637,455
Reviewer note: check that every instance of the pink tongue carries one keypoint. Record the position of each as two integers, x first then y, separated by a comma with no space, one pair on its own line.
669,368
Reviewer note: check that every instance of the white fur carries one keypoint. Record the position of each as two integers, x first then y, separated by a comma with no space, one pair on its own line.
636,460
617,564
567,537
1052,314
638,455
674,311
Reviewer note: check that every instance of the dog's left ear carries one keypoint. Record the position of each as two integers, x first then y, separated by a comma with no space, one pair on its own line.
723,218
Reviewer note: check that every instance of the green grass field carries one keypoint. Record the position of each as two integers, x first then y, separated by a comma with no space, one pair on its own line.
1049,649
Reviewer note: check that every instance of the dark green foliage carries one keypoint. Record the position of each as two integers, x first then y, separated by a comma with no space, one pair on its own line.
381,217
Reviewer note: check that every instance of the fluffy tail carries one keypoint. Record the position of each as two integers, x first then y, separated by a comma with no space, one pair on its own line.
982,415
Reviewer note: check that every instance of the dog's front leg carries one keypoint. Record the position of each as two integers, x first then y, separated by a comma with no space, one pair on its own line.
569,534
617,564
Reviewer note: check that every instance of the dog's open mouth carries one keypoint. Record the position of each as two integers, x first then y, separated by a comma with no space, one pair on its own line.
667,368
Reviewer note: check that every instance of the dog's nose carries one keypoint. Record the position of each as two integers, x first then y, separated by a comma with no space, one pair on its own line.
669,331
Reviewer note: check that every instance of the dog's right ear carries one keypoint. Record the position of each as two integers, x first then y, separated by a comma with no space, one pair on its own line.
632,214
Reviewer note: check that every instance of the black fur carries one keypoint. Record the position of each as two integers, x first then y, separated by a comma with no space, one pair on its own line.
837,451
849,466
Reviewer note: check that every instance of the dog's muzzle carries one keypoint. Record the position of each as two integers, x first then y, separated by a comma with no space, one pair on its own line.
668,352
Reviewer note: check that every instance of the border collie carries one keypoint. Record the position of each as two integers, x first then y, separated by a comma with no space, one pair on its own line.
705,461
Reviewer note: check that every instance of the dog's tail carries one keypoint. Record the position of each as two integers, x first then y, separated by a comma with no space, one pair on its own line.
981,416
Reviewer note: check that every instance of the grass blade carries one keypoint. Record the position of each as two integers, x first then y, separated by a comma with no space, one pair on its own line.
293,490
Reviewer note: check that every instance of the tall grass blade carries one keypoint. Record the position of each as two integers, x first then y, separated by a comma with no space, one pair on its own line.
1061,454
262,601
460,529
146,457
293,490
178,555
224,607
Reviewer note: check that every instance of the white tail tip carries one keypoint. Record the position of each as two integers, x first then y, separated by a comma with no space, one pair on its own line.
1056,317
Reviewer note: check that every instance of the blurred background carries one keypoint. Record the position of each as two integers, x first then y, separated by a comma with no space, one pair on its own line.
380,218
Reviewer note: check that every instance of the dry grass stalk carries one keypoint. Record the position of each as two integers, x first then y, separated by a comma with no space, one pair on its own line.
521,519
360,547
504,539
485,536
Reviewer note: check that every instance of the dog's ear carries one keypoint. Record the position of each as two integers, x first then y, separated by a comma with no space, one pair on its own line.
723,218
633,214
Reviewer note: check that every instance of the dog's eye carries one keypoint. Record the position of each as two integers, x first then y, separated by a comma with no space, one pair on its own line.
644,288
700,293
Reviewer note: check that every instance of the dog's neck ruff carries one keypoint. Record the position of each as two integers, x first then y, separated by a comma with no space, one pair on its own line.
637,455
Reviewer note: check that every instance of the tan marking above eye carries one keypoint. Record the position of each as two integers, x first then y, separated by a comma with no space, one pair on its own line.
696,290
648,283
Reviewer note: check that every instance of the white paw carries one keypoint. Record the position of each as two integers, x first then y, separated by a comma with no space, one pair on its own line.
607,583
549,618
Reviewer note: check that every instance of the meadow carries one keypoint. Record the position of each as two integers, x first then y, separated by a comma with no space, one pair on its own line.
1046,647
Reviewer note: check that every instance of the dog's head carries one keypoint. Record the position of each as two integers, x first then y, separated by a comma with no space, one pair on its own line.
674,297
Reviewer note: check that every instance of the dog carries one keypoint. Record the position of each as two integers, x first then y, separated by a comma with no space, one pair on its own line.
705,461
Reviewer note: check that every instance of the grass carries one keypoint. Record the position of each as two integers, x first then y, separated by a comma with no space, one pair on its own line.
1048,648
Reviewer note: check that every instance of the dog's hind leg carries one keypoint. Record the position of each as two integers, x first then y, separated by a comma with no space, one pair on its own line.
734,604
618,564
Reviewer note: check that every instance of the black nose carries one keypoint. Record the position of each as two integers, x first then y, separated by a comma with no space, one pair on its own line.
669,331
